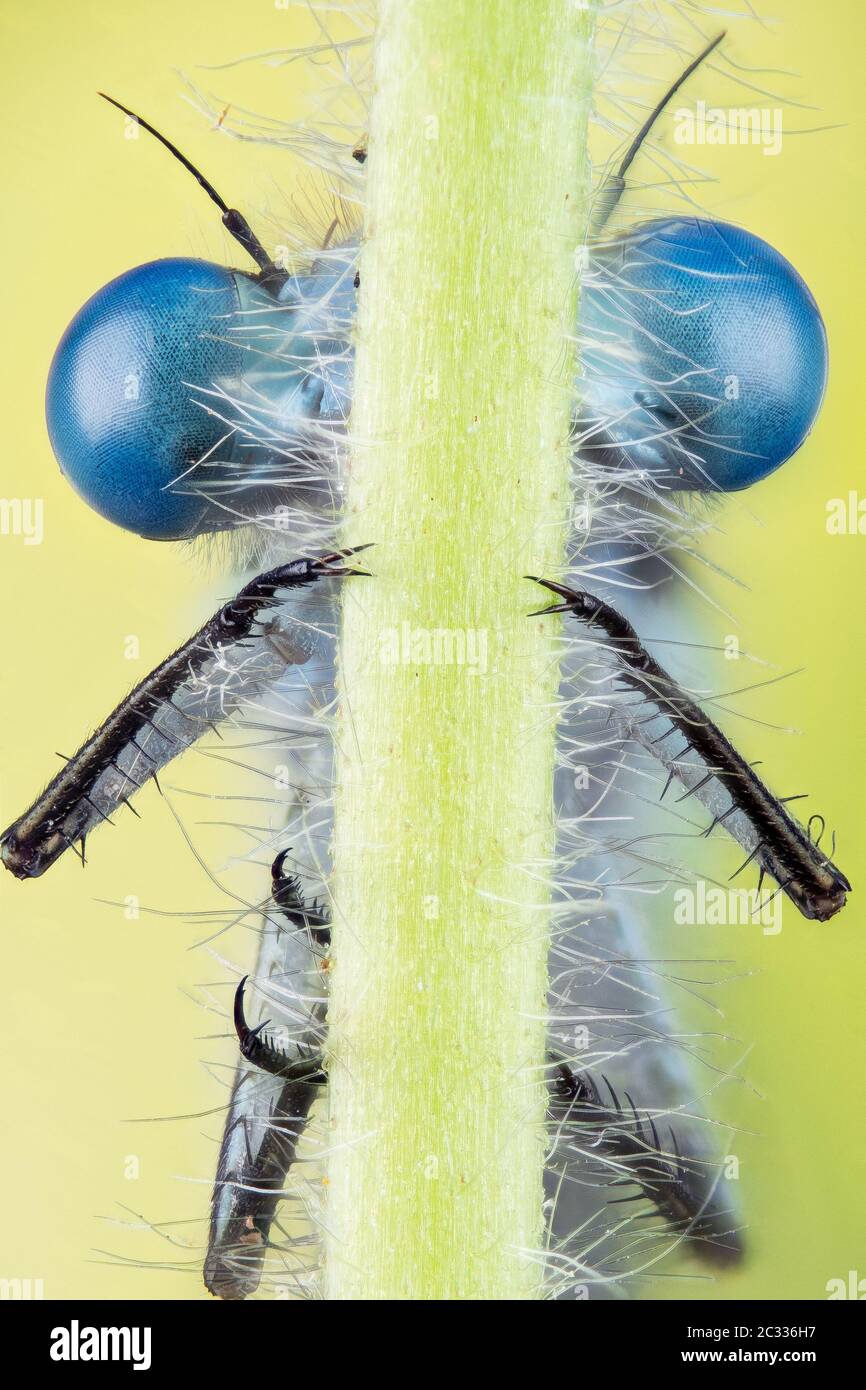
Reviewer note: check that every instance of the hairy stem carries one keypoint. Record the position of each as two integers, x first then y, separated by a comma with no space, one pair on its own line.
443,818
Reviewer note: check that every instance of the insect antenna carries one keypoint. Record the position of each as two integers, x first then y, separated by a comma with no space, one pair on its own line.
234,222
613,186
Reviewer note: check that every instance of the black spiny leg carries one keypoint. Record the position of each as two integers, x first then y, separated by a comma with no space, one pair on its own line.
685,1192
271,276
286,893
781,846
257,1154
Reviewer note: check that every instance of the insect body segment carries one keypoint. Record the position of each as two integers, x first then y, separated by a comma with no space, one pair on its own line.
777,842
227,661
685,1192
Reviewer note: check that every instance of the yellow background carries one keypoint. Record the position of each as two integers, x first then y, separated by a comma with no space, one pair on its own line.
97,1024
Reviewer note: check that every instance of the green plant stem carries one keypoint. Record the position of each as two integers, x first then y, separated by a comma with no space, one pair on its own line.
459,472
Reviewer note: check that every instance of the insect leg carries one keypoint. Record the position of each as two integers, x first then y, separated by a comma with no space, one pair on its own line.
228,660
264,1128
286,893
684,1192
751,812
271,276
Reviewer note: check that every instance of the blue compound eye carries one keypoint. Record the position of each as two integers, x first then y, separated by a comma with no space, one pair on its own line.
707,354
122,416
